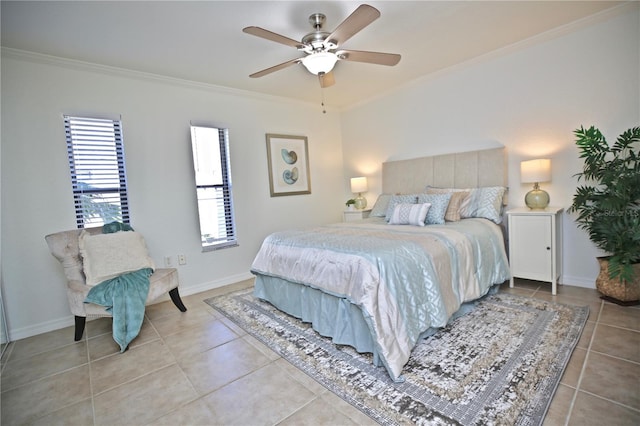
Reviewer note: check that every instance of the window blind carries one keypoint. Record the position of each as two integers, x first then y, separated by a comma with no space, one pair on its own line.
96,161
213,187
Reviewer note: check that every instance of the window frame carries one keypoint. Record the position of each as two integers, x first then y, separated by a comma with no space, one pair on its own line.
95,144
230,238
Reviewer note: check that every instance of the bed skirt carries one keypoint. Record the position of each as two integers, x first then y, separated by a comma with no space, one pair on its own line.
331,316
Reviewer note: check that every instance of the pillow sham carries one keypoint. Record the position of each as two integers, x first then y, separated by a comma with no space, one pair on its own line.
457,197
409,214
380,207
106,256
484,202
439,204
398,199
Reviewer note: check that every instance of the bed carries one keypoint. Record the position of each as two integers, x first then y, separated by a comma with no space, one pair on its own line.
381,284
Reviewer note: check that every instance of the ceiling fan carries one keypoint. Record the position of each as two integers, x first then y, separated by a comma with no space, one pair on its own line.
322,48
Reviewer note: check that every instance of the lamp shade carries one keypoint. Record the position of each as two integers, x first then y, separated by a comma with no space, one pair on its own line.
359,184
533,171
319,62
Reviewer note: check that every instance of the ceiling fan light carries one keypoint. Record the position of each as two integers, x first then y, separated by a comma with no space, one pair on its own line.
320,62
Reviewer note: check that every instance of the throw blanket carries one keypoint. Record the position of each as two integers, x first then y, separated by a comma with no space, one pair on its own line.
123,296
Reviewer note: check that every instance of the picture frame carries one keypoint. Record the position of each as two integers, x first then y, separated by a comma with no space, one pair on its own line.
288,162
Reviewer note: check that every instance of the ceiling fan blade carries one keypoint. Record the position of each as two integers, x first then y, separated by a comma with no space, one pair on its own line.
360,18
275,68
378,58
269,35
326,79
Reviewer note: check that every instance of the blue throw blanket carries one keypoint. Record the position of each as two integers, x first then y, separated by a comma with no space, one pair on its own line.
123,296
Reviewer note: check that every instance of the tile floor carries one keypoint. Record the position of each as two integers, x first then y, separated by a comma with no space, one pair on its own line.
199,368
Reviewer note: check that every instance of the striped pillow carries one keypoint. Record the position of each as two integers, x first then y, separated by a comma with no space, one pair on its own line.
409,214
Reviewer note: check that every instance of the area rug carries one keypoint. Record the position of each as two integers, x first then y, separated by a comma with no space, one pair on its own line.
499,364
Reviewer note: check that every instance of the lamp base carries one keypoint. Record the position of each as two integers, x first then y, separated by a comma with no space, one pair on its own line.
537,199
361,202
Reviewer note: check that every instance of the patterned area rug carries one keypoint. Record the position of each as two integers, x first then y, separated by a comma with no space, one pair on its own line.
499,364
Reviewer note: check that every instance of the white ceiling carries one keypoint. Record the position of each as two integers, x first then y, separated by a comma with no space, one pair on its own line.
203,41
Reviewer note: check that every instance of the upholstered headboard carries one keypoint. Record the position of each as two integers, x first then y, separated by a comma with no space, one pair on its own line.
461,170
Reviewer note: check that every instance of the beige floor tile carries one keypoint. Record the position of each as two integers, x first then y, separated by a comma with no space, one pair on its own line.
160,309
178,321
242,379
239,403
618,342
347,409
620,316
144,399
120,368
221,365
612,378
199,338
22,370
574,368
43,342
80,413
585,337
593,411
301,377
102,346
193,414
98,326
559,408
37,399
261,347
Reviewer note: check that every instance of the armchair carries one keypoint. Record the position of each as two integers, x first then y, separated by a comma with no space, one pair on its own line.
64,246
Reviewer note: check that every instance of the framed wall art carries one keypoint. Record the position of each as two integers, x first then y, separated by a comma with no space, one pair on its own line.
288,160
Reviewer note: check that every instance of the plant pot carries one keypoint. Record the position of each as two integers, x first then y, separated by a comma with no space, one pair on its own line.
615,290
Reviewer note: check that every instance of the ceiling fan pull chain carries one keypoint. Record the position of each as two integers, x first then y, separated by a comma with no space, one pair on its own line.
324,110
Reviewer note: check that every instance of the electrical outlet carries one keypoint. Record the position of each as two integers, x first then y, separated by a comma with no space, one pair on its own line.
168,261
182,259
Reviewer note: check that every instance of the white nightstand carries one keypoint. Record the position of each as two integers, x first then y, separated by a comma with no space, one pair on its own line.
355,215
535,244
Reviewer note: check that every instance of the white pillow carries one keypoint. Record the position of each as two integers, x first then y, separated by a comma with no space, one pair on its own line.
409,214
106,256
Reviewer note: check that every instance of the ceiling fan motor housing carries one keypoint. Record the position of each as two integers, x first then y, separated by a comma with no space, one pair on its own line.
317,40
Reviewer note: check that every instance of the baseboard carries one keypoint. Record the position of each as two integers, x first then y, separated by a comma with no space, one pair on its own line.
578,281
45,327
187,291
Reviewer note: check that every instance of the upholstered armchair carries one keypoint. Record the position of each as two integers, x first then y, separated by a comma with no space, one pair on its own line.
64,246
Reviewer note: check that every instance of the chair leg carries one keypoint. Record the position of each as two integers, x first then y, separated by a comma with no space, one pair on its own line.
175,297
80,322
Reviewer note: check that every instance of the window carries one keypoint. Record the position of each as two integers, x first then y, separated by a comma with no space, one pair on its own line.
210,147
98,179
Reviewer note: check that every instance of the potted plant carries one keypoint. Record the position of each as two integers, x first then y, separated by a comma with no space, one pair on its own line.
350,204
608,208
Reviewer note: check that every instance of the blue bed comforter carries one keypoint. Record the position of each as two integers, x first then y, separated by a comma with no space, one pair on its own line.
404,279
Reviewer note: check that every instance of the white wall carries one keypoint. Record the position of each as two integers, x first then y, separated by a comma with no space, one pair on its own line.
156,113
528,99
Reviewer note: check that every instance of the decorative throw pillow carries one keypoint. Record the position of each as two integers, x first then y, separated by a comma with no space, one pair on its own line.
457,197
409,214
484,202
398,199
439,204
106,256
380,207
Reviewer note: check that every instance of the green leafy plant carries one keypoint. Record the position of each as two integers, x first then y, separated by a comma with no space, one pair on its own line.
608,204
350,202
